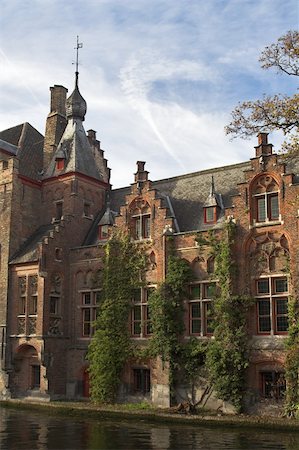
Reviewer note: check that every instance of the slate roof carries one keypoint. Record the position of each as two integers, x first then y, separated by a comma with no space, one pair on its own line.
188,193
74,147
29,143
28,252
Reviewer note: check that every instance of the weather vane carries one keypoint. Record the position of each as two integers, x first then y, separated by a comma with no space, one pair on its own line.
79,45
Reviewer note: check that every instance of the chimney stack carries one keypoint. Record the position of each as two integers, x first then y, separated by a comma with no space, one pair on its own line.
263,148
141,175
56,122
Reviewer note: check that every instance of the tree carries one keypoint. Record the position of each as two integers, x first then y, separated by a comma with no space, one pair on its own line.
277,112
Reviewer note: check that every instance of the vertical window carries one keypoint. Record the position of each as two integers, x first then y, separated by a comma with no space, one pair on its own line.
210,215
142,226
35,377
140,321
265,199
272,305
142,380
54,304
201,308
59,163
90,304
273,384
86,209
59,210
103,232
33,295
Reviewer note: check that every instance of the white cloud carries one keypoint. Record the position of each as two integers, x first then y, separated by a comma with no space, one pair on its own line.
159,77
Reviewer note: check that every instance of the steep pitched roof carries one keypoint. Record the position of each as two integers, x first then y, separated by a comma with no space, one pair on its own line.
28,252
29,143
188,193
74,148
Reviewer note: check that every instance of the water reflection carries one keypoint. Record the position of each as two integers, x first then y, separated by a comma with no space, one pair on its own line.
23,430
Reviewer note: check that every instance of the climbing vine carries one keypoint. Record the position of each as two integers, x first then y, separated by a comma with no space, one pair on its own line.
292,359
166,312
124,264
227,356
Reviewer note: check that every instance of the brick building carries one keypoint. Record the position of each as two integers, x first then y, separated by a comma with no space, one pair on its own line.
57,209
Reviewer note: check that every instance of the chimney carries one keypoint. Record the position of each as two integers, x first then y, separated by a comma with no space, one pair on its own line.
263,148
141,175
56,122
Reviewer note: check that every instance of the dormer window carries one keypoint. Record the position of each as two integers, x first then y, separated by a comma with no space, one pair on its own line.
60,164
210,214
104,232
265,201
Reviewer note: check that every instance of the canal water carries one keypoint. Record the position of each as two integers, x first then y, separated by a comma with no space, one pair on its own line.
29,431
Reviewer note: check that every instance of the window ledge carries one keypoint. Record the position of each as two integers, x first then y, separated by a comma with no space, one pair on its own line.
266,224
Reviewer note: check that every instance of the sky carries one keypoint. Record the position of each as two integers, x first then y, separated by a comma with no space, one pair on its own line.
160,77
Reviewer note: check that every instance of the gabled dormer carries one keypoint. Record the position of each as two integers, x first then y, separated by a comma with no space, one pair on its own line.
213,206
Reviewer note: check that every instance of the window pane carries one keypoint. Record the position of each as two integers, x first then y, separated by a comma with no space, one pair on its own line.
210,290
137,312
261,209
282,323
146,227
281,285
195,291
281,306
137,296
86,298
263,286
264,324
264,307
195,310
210,214
137,229
137,328
273,207
196,326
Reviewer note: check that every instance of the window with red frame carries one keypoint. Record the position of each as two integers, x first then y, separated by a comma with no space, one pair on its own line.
272,305
210,214
60,164
201,308
103,232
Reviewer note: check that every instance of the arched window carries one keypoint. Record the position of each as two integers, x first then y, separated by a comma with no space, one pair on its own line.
140,220
265,200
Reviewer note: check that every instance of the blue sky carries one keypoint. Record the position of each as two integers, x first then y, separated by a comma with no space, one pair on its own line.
160,77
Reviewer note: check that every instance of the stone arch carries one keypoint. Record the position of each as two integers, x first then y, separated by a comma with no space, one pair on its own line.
198,267
27,365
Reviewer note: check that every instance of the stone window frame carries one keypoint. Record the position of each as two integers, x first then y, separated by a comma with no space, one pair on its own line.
140,318
271,315
89,310
141,380
200,311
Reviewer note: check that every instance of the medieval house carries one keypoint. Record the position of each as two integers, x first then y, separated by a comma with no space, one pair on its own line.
57,210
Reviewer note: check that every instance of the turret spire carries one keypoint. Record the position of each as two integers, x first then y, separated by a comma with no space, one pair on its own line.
79,45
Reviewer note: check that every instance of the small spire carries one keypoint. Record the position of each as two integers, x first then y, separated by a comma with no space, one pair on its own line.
79,45
212,189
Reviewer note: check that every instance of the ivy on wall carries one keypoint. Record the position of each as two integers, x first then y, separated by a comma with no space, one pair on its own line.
292,360
124,264
227,355
166,312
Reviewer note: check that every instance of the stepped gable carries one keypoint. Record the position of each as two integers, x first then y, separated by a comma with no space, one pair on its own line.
29,142
74,151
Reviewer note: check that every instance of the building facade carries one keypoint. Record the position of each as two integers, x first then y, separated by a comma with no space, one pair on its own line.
57,210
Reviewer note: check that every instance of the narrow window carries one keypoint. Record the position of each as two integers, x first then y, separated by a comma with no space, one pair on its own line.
59,210
272,305
142,380
90,304
201,320
273,384
210,214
